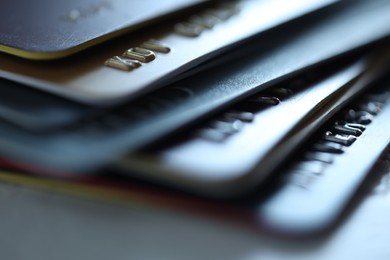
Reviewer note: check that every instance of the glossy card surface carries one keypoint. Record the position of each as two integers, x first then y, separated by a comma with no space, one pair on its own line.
47,29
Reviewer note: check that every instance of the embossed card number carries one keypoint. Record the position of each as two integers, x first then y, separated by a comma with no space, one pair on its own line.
132,58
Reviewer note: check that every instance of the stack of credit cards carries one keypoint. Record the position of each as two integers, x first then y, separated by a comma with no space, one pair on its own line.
211,98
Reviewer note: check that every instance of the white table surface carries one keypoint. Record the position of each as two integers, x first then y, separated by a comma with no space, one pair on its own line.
38,224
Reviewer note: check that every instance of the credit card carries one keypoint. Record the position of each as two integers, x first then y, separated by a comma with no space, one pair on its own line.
137,63
49,29
233,152
315,189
